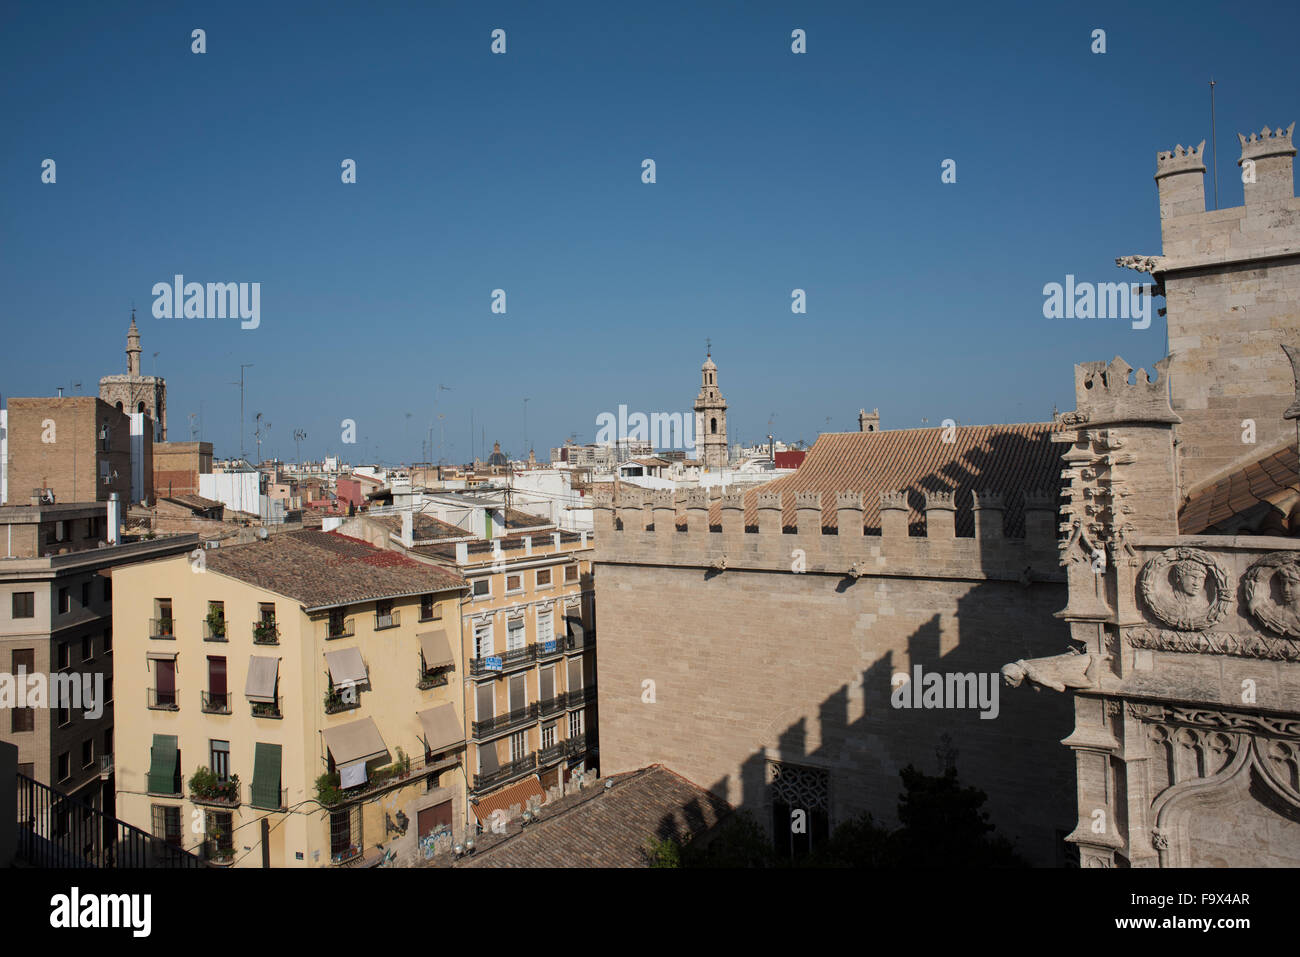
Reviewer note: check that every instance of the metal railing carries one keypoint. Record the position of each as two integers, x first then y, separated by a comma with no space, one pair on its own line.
549,649
55,830
266,709
214,631
576,744
336,701
163,628
284,800
552,753
551,705
215,703
162,700
503,722
344,629
509,659
391,620
433,679
505,772
266,632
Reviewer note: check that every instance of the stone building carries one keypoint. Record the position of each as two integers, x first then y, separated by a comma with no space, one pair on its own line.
710,418
751,643
78,447
134,392
1180,552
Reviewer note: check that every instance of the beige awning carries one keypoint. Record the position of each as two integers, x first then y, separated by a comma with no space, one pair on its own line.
442,729
262,676
347,669
160,655
436,648
355,741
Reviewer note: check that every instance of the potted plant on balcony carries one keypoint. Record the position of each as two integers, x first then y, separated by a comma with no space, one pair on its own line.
216,623
264,632
327,789
165,626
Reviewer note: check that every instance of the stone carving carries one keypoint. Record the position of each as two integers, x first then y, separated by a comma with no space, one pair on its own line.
1159,838
1215,720
1147,264
1257,585
1264,647
1185,588
858,569
719,564
799,786
1070,670
1075,418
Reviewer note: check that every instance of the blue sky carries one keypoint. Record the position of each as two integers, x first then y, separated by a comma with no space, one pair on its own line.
523,172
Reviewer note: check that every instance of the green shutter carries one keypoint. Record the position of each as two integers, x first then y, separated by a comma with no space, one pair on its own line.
162,764
266,776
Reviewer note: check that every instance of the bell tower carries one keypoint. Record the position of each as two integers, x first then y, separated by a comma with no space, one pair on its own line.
710,418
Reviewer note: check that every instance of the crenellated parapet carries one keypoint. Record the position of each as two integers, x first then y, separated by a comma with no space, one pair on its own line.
1104,395
694,530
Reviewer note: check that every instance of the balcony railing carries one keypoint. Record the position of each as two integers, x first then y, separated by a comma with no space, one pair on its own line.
336,701
284,800
266,709
433,679
507,661
221,794
551,705
505,772
215,703
164,628
163,700
504,722
551,754
549,649
214,630
390,620
218,856
576,699
266,632
105,766
340,629
576,744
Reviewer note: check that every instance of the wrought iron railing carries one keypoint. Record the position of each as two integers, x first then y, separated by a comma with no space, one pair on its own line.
346,628
552,753
433,679
266,632
164,628
215,703
55,830
505,772
336,701
508,660
551,705
162,700
214,629
503,722
390,620
266,709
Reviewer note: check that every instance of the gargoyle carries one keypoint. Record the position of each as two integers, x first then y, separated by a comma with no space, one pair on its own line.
1070,670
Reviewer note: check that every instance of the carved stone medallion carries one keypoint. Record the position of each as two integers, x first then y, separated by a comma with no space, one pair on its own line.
1185,588
1268,580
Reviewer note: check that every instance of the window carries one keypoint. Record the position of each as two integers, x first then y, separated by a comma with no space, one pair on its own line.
65,655
220,751
63,716
87,753
92,527
24,604
65,766
384,615
167,823
570,574
518,745
164,691
108,589
426,608
483,640
164,627
548,735
87,647
482,589
514,583
60,531
65,602
24,662
515,634
220,827
545,628
575,723
543,577
85,594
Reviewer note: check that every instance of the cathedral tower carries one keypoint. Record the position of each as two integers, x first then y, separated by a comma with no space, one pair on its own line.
710,418
134,392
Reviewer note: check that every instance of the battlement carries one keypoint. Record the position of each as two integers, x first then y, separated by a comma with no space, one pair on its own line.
1266,143
1179,160
1105,396
684,530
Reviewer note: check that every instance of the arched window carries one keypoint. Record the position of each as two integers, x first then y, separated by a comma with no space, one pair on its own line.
140,407
119,406
713,426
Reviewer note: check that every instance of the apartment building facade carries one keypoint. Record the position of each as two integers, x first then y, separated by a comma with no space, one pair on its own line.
56,641
292,702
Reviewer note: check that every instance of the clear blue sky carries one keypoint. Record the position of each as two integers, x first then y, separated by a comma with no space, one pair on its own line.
522,172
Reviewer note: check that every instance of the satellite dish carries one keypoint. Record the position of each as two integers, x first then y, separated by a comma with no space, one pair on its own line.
262,534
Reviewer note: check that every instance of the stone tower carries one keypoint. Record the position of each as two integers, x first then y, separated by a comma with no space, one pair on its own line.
868,423
710,418
134,392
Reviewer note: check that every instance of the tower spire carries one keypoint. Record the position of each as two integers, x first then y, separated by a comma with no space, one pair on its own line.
133,348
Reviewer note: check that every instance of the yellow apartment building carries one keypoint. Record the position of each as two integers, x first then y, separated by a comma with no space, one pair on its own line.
292,702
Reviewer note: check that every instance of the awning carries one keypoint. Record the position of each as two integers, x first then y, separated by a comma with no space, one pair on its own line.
162,764
355,741
266,775
346,667
442,729
514,797
160,655
576,631
262,676
436,648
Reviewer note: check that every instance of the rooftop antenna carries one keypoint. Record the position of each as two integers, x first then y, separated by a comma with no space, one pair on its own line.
1214,150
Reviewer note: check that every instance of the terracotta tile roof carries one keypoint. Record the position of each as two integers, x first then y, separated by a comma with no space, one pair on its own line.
1269,486
506,798
596,827
1009,459
320,569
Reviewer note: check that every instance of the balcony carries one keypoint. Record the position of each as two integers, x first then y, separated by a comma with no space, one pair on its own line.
266,709
550,649
346,628
551,705
284,800
551,754
215,703
504,722
504,773
575,745
105,766
495,664
215,793
217,856
576,699
336,701
162,628
266,632
214,629
433,679
162,700
390,620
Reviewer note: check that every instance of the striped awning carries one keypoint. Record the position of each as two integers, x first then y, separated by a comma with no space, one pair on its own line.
355,741
347,669
263,673
442,729
436,648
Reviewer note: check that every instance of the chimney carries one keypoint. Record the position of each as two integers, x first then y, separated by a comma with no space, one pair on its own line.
114,519
1266,163
408,529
